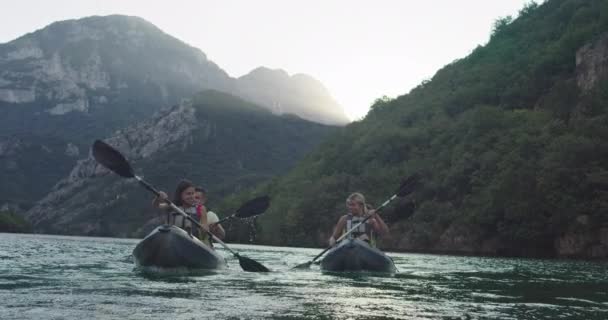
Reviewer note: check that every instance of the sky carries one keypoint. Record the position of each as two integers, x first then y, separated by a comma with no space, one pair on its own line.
360,50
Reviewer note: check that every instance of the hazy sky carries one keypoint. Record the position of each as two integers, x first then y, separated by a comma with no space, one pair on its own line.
361,50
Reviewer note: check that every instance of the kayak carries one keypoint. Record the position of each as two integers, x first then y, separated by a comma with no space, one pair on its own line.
357,255
168,246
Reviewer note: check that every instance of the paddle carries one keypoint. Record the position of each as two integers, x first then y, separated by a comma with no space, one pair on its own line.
114,161
406,187
250,209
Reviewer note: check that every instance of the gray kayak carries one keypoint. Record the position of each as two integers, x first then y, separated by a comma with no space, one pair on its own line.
353,255
168,246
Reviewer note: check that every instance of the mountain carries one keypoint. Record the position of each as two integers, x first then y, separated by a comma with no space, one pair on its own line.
74,81
104,70
511,144
215,139
298,94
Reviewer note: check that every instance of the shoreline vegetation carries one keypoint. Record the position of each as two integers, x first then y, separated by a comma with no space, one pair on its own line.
11,222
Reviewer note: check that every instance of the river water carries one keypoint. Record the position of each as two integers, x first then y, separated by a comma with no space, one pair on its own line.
58,277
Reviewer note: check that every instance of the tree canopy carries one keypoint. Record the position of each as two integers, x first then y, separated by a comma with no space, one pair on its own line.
513,150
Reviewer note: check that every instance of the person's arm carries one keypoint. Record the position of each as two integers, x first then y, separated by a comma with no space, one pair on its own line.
160,201
377,223
218,230
215,227
337,230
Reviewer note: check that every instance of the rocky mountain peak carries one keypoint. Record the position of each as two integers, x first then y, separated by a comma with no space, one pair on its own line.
266,74
298,94
79,65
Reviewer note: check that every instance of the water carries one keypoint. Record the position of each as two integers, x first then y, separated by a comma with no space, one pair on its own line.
54,277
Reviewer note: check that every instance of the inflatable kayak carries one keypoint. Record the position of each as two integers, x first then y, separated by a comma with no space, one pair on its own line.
357,255
168,246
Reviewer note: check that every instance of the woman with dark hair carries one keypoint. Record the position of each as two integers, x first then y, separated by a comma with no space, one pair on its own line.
184,197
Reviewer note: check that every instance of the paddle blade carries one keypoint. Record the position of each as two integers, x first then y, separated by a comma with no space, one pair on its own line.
403,209
251,265
407,185
253,207
112,159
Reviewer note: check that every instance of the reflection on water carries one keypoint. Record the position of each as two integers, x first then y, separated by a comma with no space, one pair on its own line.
50,277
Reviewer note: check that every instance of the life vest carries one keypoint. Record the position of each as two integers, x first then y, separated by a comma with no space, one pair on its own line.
195,213
363,232
178,220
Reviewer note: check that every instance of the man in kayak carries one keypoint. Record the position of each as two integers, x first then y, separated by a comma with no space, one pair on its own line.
185,198
357,211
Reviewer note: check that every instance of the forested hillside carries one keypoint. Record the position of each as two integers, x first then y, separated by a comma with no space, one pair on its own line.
511,143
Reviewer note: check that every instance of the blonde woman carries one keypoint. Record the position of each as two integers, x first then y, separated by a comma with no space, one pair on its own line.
357,211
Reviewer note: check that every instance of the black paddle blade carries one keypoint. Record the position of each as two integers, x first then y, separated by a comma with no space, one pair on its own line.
403,209
407,185
253,207
251,265
112,159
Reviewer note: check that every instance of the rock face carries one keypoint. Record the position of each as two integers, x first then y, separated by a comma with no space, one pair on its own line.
216,139
584,239
89,63
137,142
592,63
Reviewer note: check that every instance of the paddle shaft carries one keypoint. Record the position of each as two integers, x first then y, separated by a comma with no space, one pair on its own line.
180,211
355,227
225,219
